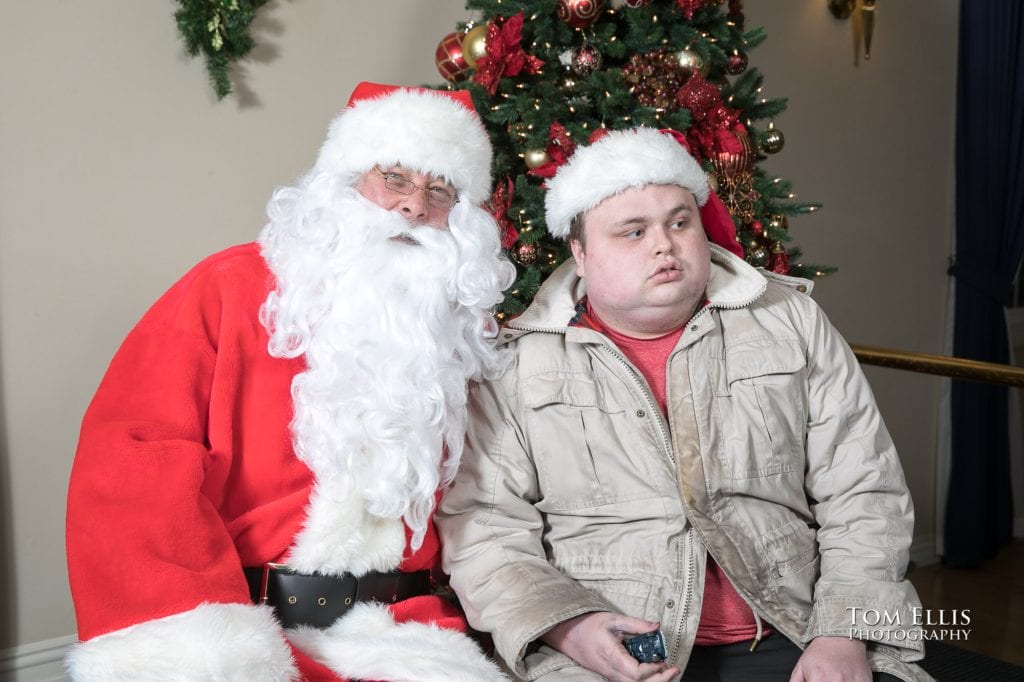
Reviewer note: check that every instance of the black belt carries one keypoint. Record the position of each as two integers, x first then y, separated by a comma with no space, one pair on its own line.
318,600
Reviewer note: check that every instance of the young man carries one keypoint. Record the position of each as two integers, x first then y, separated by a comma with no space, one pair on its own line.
277,427
682,443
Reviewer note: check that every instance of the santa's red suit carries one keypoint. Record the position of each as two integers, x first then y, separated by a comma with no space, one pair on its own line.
164,511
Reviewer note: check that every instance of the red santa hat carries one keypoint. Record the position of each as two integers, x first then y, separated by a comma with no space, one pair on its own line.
633,158
437,132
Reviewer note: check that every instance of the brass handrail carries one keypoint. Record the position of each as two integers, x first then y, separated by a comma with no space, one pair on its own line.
957,368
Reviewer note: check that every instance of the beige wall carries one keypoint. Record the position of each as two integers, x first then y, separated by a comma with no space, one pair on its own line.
118,170
875,144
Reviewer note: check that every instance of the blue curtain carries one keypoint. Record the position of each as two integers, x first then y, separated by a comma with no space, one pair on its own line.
989,242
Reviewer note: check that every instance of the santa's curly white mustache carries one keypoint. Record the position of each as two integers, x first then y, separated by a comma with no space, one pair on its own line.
393,320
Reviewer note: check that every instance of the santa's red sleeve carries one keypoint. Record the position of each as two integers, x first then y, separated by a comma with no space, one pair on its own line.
155,573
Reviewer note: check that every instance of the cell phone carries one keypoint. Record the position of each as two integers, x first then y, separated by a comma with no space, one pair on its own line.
646,648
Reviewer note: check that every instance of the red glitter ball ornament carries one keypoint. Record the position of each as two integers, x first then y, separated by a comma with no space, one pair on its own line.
736,63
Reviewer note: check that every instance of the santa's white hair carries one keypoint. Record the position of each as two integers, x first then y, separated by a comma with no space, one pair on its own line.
391,332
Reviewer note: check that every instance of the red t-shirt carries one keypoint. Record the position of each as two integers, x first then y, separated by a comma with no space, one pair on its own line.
725,617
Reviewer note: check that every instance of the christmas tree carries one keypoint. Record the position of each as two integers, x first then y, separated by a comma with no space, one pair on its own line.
547,75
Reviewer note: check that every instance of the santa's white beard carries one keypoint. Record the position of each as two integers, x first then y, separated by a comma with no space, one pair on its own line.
391,333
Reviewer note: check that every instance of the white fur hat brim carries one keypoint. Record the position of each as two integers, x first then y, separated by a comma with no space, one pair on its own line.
619,160
423,130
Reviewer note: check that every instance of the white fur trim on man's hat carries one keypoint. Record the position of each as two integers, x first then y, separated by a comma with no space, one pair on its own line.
616,162
428,131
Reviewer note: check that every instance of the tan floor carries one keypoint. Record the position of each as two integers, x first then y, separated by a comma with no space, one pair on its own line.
994,595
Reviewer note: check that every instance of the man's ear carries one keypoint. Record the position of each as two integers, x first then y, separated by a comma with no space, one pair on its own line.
578,255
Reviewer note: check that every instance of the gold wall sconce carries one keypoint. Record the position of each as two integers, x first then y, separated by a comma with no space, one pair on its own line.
863,14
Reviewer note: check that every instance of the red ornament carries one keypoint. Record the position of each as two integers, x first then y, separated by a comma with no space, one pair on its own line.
579,13
690,7
736,63
710,116
449,59
586,60
779,261
526,254
757,227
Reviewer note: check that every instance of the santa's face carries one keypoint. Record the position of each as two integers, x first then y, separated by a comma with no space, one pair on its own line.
420,198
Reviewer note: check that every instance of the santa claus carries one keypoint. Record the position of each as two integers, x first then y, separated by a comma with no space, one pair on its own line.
253,490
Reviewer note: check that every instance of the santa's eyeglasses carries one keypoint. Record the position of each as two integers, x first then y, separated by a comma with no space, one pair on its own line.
438,197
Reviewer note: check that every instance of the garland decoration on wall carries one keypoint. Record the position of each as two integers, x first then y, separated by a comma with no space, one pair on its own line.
220,30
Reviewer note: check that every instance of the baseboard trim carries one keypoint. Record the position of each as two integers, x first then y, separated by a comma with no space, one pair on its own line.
36,662
922,552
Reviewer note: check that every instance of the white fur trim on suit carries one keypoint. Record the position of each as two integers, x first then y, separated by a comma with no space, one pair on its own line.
233,642
423,130
368,644
339,535
616,162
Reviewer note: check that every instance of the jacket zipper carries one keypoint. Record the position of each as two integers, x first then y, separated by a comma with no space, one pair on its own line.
667,444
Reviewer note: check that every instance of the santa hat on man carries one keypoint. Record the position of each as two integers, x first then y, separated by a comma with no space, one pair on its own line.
633,158
436,132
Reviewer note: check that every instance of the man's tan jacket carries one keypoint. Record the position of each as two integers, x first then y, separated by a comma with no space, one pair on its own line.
575,494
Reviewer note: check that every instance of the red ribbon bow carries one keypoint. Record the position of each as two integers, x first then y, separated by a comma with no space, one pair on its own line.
560,148
505,56
497,206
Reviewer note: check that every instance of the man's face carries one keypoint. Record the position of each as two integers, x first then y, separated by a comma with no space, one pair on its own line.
423,205
646,260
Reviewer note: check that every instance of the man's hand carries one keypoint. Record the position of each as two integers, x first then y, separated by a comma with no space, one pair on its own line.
833,659
594,640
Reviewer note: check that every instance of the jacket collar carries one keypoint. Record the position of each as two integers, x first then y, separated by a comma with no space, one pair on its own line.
732,283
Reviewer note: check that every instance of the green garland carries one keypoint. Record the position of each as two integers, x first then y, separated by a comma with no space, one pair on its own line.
220,30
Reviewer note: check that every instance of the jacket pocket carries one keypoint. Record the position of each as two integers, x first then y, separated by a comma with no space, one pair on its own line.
795,571
578,437
630,597
760,402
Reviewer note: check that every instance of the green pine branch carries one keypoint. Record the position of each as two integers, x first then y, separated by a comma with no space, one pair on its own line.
219,30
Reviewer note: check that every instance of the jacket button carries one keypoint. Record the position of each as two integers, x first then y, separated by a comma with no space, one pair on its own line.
693,328
641,414
508,336
670,604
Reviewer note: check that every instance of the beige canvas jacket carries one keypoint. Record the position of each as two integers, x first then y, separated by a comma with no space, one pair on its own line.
575,494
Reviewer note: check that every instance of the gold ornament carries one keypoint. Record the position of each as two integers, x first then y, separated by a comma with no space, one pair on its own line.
773,140
535,158
691,62
778,221
758,256
474,45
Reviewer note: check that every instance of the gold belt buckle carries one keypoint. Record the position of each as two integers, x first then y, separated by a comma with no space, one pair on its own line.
265,579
